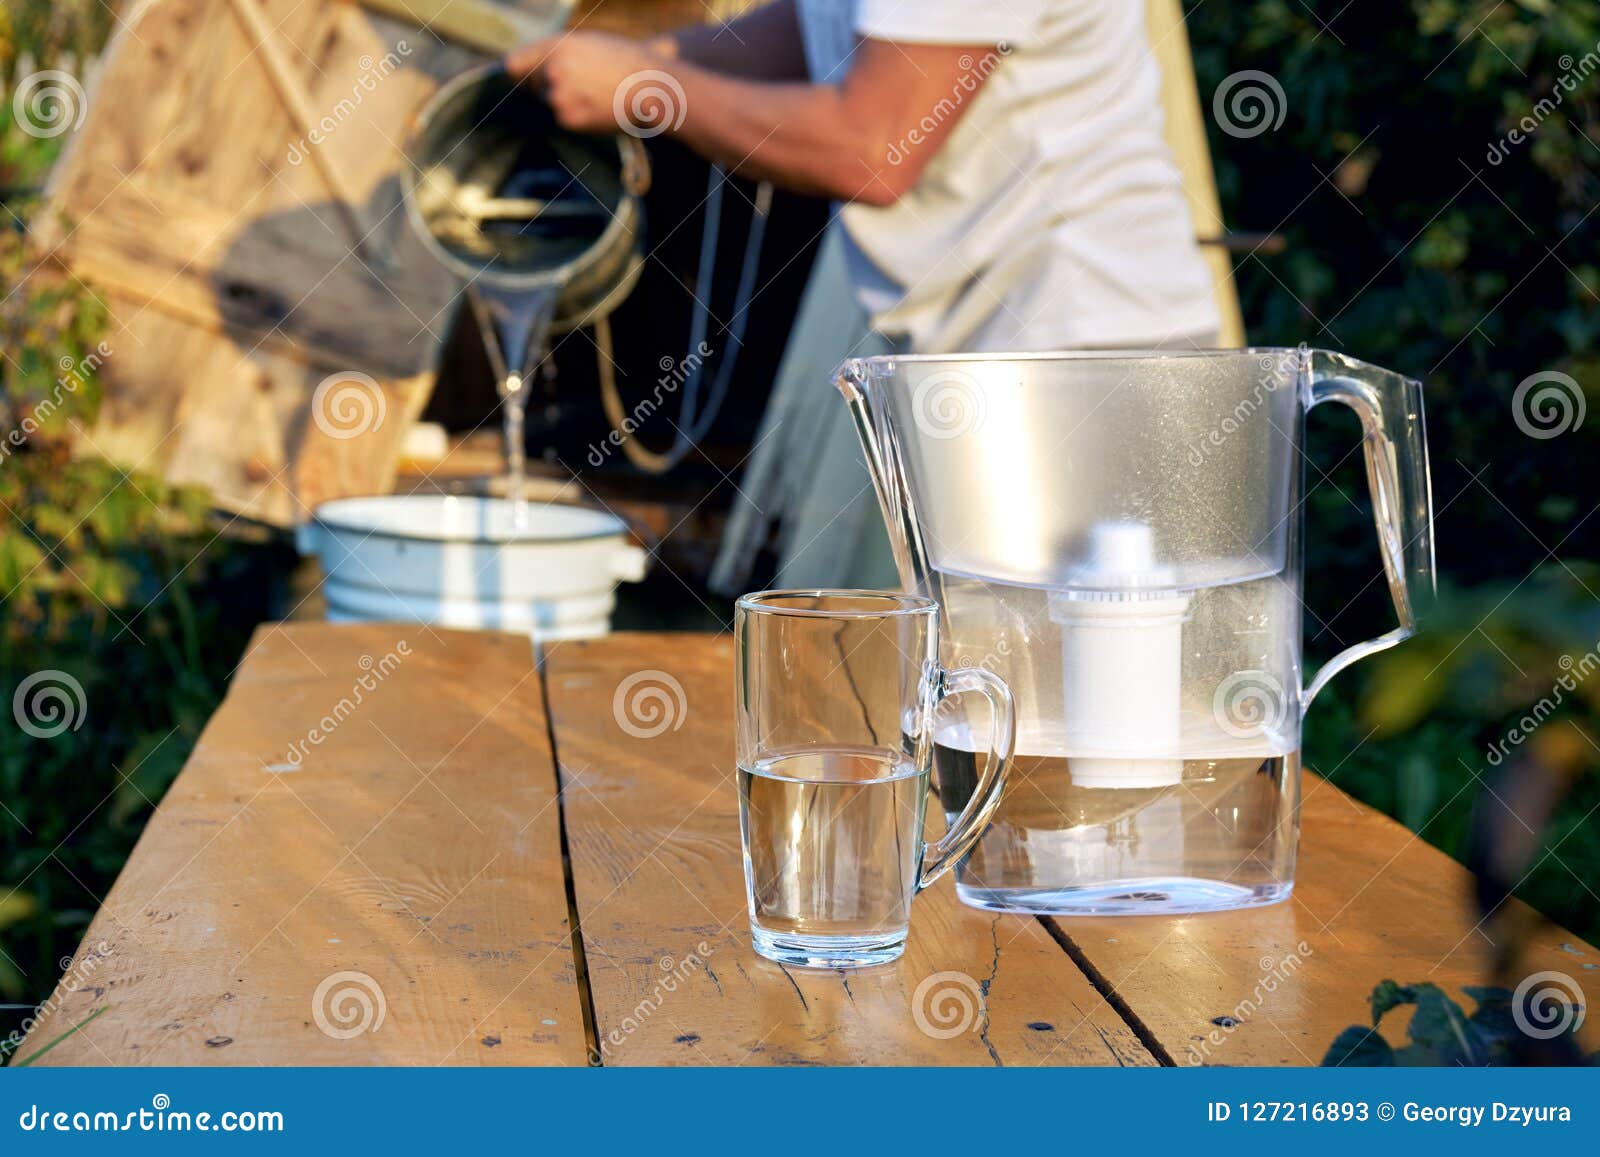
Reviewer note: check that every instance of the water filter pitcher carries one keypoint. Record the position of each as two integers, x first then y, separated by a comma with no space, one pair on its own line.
1117,536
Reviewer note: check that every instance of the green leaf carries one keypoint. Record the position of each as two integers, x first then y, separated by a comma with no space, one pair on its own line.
1405,685
1385,996
79,1027
1358,1047
15,906
1440,1032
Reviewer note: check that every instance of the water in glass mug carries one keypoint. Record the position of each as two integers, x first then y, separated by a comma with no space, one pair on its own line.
833,840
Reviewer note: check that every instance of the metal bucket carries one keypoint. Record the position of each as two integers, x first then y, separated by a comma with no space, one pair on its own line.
465,562
485,154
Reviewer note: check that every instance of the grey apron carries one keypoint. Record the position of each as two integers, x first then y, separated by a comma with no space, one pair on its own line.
806,471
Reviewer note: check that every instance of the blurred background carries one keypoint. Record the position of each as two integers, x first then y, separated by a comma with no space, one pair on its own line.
1403,223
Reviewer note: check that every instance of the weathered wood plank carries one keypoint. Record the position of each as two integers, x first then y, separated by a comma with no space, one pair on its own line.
281,460
418,844
478,24
1372,901
416,848
653,834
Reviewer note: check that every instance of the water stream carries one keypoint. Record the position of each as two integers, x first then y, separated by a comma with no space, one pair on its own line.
515,325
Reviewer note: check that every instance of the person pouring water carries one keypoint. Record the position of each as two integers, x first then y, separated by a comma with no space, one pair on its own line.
1003,184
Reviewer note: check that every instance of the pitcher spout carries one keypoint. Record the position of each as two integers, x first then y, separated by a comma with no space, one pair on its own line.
850,377
854,378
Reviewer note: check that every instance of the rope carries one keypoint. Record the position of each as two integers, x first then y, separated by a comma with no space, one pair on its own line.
693,424
611,401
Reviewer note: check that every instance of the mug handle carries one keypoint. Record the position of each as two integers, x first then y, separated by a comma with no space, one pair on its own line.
939,858
1394,439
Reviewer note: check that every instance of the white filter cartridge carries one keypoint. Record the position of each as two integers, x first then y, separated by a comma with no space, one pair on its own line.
1122,664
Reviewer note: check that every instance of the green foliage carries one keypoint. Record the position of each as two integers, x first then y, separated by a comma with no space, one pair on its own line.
99,572
1410,245
1441,1032
37,34
113,587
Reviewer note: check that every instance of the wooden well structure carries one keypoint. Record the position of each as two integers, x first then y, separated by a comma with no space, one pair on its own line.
233,196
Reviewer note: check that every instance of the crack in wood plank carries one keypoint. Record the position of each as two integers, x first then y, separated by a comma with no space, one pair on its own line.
580,960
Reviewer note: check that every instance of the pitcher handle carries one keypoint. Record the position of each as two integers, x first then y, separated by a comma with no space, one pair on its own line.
1395,445
939,858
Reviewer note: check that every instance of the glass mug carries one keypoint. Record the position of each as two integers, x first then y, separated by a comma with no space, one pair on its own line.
836,694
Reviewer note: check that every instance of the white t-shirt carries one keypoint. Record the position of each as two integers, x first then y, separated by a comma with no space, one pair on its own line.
1053,215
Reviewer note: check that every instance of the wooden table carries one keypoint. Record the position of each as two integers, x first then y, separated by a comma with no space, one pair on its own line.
425,825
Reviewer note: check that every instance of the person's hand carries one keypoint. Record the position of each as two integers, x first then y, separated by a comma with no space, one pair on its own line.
584,76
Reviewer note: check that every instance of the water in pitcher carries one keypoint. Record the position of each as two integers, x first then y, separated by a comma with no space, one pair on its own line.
834,843
1222,836
1157,757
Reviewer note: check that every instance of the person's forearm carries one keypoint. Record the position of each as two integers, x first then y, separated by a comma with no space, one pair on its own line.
800,136
763,44
829,140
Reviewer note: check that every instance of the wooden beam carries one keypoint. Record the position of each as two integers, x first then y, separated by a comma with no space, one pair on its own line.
481,25
298,102
1186,137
